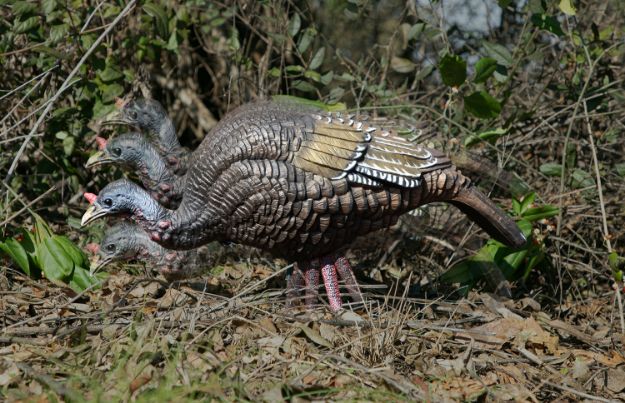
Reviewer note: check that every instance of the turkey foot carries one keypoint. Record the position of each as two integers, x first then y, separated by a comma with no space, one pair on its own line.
346,273
330,268
311,278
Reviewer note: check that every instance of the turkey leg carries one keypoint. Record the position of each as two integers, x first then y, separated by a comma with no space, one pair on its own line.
331,268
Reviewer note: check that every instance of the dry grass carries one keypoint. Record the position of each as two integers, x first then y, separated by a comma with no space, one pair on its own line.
228,335
140,339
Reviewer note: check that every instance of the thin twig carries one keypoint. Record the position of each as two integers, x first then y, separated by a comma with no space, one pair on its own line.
66,84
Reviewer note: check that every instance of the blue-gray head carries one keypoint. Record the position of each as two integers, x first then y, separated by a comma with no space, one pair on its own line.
146,114
129,149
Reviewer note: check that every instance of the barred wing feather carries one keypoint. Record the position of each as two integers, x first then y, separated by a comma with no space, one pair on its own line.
342,146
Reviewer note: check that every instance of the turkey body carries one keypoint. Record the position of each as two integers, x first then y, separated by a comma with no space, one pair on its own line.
302,183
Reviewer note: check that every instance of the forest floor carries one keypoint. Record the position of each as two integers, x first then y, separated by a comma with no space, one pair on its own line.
229,335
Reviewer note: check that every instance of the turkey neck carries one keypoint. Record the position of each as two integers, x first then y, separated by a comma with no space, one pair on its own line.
153,169
146,211
169,143
145,248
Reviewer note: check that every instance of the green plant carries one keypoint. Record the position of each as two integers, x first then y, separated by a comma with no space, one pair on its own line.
513,264
54,256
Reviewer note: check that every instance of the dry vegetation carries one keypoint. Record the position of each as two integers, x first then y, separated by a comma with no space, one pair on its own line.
552,330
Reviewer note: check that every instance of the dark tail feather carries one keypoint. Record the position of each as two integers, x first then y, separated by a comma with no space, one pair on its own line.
491,218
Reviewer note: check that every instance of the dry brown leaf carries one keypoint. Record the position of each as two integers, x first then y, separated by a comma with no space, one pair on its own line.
315,336
613,361
172,298
267,324
616,379
523,331
328,332
9,372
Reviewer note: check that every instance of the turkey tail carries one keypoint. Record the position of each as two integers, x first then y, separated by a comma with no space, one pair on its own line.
481,210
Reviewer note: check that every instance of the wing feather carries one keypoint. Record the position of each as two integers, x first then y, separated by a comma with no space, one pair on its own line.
346,146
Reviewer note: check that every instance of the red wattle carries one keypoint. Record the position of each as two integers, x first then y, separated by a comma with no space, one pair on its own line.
119,103
91,197
101,142
92,248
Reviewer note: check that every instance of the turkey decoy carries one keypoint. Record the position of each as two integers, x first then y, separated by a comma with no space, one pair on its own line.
125,241
302,183
134,151
150,116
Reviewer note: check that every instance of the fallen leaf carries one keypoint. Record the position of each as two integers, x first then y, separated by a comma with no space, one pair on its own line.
612,362
616,379
315,337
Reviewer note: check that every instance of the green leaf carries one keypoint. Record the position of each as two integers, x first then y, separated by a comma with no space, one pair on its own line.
111,92
82,279
306,39
527,201
327,78
424,72
68,145
548,23
23,7
484,68
110,73
274,72
48,6
581,179
482,105
415,30
160,19
453,70
294,69
551,169
504,3
620,169
566,7
499,53
317,60
17,253
54,261
172,43
58,32
313,75
294,25
42,230
19,27
538,213
77,256
402,65
488,135
303,86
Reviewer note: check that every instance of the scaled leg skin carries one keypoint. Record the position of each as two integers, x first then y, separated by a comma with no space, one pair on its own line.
331,282
311,278
346,274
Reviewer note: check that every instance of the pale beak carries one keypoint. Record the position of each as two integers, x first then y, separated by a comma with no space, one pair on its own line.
98,158
93,212
99,264
114,118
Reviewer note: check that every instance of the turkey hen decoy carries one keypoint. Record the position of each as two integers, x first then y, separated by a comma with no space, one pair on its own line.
125,241
150,116
134,151
302,183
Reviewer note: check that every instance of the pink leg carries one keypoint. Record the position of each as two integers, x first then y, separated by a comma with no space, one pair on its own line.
295,285
346,273
311,277
331,282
